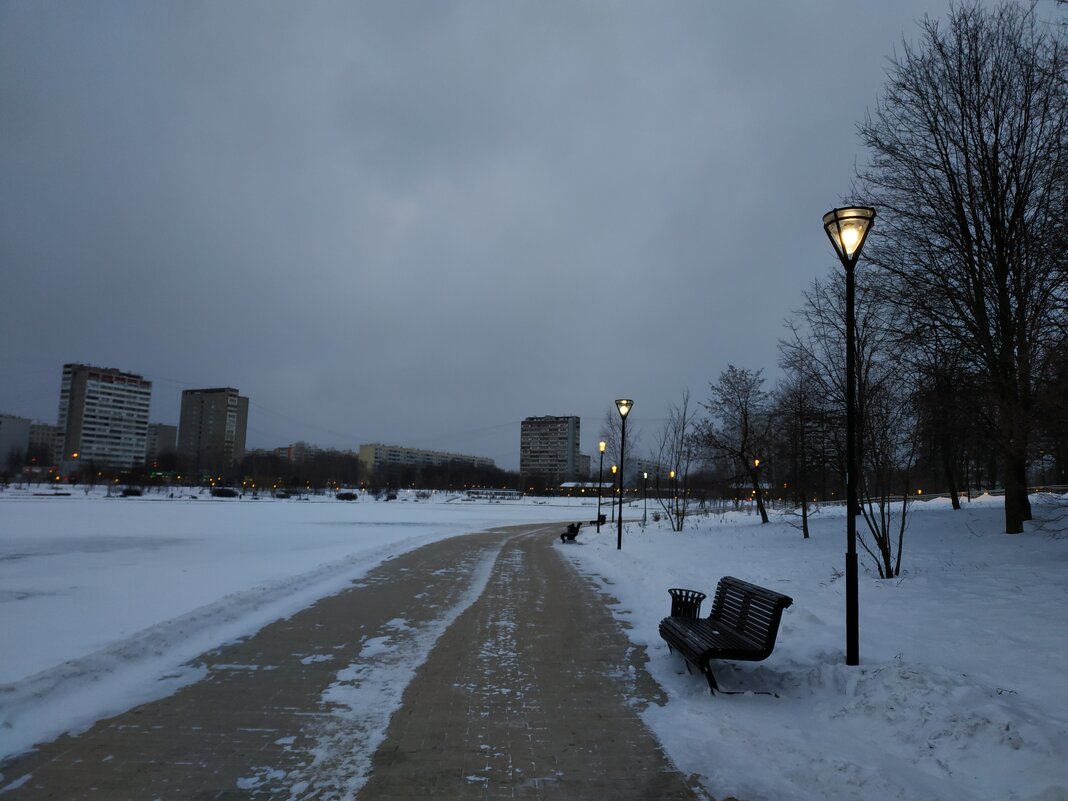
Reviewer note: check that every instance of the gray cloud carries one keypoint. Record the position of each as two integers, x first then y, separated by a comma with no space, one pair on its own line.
420,222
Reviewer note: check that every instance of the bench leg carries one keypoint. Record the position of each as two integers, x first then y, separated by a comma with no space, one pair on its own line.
712,686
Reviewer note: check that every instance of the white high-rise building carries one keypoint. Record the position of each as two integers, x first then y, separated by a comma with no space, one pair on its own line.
103,416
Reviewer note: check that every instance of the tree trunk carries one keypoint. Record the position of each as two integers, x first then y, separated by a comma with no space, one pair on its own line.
1015,497
951,477
758,495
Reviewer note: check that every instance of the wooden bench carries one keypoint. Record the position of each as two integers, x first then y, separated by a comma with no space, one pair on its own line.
571,533
742,625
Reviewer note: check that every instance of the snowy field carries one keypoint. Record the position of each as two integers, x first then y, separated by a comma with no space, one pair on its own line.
961,692
104,600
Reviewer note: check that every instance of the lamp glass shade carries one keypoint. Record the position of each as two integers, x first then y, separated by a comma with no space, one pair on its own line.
624,405
601,445
847,229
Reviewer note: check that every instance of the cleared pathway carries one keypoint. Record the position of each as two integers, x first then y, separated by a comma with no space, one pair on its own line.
513,682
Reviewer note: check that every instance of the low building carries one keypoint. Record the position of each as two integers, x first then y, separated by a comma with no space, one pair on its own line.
162,440
374,455
14,441
46,439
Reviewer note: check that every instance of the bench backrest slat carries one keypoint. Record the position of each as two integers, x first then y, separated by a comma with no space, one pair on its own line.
753,611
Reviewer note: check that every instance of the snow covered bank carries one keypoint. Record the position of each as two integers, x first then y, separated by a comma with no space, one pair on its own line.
961,691
104,600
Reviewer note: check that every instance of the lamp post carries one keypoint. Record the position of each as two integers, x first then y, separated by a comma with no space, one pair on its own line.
674,495
614,469
645,492
624,405
847,229
600,473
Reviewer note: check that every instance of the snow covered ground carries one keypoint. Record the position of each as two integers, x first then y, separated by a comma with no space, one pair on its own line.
961,692
104,600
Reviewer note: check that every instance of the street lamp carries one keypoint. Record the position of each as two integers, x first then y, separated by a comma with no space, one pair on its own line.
624,405
600,473
674,494
645,492
614,469
848,229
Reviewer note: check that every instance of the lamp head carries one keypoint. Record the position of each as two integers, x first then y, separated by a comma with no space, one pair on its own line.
624,405
601,445
848,229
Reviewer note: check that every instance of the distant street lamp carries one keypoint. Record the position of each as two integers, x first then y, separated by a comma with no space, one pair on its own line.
848,229
624,405
600,473
674,493
614,469
645,492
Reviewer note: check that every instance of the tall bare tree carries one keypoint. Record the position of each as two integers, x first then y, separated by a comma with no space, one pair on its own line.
796,409
676,450
739,426
969,154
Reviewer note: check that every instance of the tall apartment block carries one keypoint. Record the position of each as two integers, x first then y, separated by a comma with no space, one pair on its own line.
103,415
211,429
549,449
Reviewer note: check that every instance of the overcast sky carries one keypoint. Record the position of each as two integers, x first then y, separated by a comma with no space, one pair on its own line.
420,222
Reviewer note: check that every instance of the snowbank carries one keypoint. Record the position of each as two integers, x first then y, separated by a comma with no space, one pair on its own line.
960,693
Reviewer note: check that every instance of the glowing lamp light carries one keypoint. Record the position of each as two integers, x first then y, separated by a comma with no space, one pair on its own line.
847,229
624,405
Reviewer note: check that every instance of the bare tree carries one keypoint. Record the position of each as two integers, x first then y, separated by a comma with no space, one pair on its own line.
611,427
676,450
970,149
887,430
794,415
609,433
739,427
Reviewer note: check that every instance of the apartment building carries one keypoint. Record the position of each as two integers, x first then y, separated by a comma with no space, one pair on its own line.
162,440
46,438
14,441
103,416
376,454
549,450
212,425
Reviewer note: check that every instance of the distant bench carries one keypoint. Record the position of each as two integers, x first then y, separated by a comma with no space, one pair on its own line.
742,625
573,529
